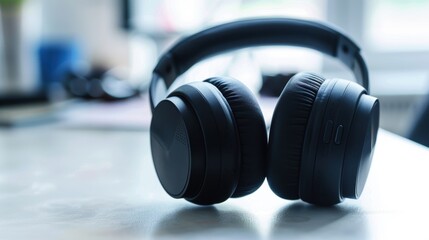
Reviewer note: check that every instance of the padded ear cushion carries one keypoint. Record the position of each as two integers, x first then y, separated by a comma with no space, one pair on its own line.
252,133
287,133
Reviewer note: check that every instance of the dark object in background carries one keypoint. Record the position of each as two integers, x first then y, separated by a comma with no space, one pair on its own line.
420,129
99,83
272,86
125,14
20,99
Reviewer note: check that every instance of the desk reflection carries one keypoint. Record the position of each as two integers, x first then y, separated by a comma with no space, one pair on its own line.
199,222
184,221
300,219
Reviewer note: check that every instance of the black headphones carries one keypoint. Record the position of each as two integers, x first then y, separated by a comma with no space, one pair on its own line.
209,140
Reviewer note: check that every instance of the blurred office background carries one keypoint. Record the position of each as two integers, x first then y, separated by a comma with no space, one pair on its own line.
45,42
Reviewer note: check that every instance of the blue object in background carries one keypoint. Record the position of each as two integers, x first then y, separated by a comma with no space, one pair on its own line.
56,58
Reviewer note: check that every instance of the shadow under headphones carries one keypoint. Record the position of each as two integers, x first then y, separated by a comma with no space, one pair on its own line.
209,140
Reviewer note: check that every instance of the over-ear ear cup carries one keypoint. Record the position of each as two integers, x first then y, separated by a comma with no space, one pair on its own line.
337,149
252,133
287,133
195,146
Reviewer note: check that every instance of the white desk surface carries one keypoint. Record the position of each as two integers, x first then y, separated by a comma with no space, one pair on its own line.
65,183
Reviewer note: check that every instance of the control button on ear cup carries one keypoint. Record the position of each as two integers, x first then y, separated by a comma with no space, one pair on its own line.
220,142
252,133
339,134
287,134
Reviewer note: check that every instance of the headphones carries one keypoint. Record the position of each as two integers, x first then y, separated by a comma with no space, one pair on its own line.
209,140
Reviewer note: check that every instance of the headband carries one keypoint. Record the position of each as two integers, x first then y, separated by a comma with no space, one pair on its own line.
252,33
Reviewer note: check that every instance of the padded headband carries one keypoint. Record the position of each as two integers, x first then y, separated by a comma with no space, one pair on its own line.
251,33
